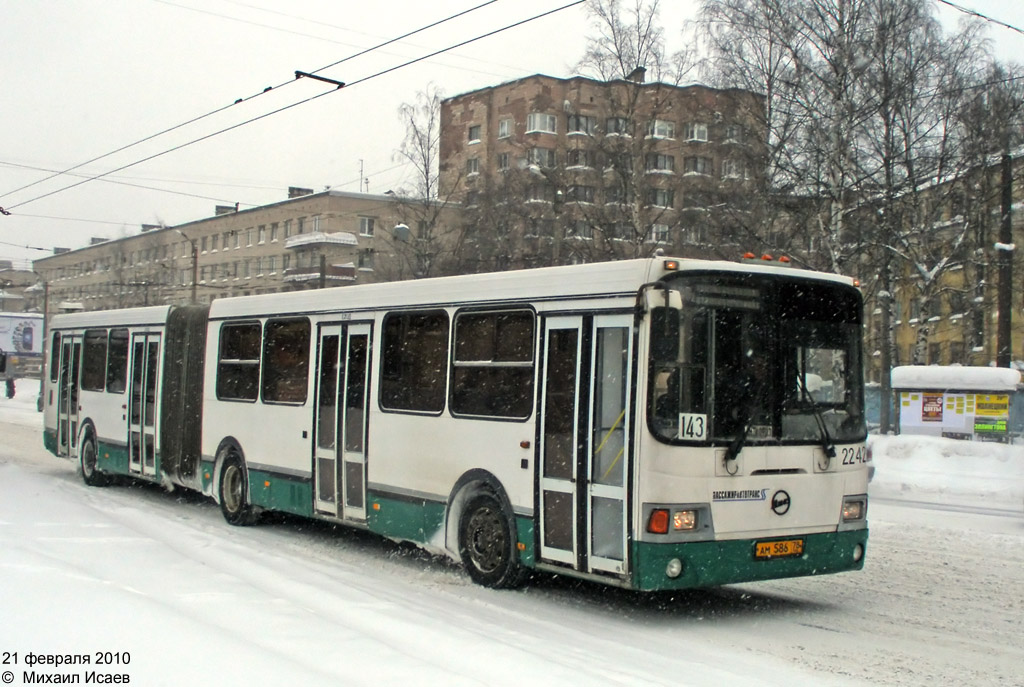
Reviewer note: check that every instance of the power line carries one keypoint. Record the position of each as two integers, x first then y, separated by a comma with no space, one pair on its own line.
979,15
295,104
237,102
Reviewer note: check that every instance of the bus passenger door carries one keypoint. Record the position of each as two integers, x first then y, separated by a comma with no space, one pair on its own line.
67,394
142,404
584,430
329,367
353,403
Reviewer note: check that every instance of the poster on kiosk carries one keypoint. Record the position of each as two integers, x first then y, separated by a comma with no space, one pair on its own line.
971,403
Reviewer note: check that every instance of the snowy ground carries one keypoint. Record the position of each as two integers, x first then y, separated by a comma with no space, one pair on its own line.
192,600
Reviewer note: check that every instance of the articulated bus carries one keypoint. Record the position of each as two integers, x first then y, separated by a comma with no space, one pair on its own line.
652,424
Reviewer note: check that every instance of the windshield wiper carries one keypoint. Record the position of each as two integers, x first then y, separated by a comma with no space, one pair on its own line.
819,418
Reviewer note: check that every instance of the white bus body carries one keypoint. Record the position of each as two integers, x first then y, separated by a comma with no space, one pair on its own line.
646,423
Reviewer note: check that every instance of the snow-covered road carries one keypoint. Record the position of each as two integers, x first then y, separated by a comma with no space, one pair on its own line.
191,599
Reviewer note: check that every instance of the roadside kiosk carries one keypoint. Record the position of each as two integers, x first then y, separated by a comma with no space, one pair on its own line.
956,402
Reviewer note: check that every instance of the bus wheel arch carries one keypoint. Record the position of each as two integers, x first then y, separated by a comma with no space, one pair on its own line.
88,454
481,529
232,485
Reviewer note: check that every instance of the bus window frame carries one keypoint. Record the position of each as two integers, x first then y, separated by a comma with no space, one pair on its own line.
269,381
239,362
122,361
384,382
93,369
455,364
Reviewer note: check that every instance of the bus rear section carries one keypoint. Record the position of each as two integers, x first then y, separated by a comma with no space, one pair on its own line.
752,463
116,379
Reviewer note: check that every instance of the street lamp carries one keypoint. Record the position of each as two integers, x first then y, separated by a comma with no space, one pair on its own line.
195,263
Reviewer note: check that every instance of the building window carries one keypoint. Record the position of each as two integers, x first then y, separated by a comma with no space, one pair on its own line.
542,157
273,232
285,361
696,131
502,162
504,128
262,233
582,124
238,362
537,122
474,133
492,369
734,133
660,128
579,158
300,225
581,194
366,226
214,242
248,237
617,193
582,230
202,248
473,166
656,162
617,126
659,233
734,169
414,361
287,229
540,193
660,197
366,259
316,223
697,165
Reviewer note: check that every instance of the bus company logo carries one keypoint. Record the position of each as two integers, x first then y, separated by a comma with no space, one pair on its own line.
780,502
740,495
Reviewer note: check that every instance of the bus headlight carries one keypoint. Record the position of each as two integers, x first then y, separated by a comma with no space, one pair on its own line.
684,520
665,520
674,568
854,509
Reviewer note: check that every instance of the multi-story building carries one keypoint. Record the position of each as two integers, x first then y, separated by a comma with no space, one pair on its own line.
567,170
310,240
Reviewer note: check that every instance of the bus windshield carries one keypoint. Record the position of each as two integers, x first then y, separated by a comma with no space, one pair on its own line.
757,359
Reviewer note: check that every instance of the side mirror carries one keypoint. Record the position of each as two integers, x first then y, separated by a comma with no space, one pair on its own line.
3,361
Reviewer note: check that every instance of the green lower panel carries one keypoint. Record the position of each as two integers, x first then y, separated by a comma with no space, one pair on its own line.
276,492
416,520
112,458
50,441
206,475
710,564
524,530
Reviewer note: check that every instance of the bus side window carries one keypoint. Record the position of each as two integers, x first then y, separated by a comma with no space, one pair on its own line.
414,364
286,361
238,362
94,359
55,356
117,361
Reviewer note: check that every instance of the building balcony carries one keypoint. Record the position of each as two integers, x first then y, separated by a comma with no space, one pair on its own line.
334,274
319,238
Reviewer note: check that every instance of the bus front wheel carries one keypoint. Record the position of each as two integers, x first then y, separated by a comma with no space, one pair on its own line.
234,501
487,544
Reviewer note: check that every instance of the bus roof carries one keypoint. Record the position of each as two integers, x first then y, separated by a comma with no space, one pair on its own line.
154,314
620,278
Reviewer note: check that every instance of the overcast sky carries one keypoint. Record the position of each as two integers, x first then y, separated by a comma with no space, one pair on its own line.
82,78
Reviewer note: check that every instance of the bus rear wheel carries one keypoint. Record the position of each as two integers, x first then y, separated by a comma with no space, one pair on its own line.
234,491
487,544
87,459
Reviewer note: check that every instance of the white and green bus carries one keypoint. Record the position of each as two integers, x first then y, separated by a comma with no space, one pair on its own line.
651,424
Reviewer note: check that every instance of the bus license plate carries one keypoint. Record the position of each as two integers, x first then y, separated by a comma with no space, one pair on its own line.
779,549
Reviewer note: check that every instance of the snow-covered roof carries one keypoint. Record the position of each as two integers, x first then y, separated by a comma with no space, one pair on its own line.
955,377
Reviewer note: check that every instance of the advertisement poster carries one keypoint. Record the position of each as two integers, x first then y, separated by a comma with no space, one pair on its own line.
931,407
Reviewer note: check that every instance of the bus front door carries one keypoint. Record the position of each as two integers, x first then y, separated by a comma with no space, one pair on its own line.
583,452
339,463
142,404
67,394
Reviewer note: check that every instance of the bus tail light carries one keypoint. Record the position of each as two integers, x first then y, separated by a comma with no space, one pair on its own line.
658,522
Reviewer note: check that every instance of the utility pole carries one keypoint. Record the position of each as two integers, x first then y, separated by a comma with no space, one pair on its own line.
1004,254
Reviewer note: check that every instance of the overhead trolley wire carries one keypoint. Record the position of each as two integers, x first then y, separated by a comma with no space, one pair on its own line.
236,102
296,104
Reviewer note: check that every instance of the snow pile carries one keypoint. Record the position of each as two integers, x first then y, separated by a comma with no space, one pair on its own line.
21,410
947,471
